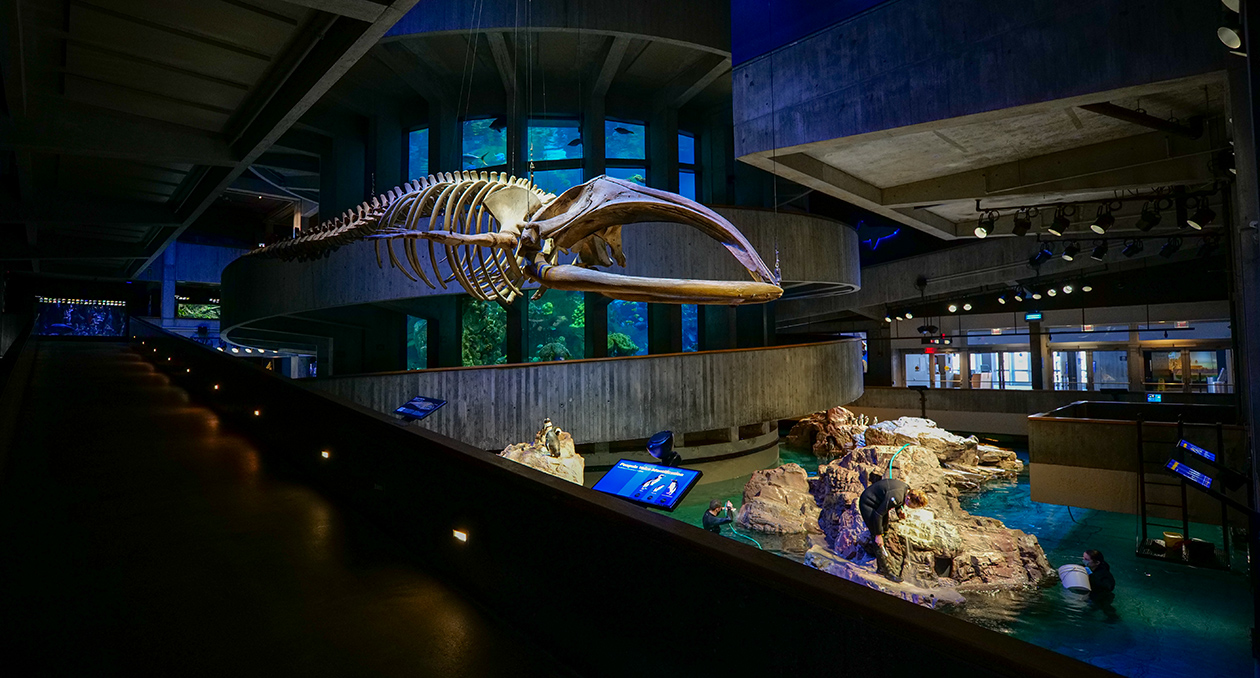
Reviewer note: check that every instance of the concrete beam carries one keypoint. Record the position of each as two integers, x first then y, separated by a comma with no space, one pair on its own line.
692,81
611,64
417,75
363,10
301,165
87,131
64,209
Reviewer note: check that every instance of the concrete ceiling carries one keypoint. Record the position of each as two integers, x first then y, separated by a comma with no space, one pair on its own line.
930,176
125,120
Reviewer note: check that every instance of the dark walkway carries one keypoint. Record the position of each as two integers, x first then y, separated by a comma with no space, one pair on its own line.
136,538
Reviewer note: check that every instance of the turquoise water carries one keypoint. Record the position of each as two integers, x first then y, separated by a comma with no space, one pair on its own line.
1166,620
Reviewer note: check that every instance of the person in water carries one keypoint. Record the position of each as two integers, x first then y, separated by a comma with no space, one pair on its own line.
1101,581
881,499
717,516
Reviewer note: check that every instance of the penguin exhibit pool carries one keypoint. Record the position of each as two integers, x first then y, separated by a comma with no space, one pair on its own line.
1164,618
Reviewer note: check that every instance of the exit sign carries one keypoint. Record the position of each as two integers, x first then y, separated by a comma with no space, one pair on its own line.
1087,328
1183,324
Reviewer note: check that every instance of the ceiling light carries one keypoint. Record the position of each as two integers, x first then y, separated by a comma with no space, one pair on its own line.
1052,292
1103,221
1068,289
249,350
1132,248
1231,4
1060,224
236,350
1070,252
1202,217
1087,288
887,318
966,307
1020,294
1149,218
1209,246
1023,222
1100,251
909,315
1230,35
953,308
1036,296
1002,299
986,224
928,329
1041,257
1170,248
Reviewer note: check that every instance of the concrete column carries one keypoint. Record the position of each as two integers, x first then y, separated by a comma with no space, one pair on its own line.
446,331
898,369
879,358
664,328
444,138
1037,356
964,370
343,176
750,326
714,154
594,146
716,328
388,148
168,282
663,150
1136,365
596,332
518,331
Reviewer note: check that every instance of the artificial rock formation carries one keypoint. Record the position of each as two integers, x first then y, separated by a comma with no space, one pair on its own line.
940,549
557,458
778,501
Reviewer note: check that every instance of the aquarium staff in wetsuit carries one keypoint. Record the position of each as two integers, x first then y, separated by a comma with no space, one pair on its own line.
717,516
1101,582
879,500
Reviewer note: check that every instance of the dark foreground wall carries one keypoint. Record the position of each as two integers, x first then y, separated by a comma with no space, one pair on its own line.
616,590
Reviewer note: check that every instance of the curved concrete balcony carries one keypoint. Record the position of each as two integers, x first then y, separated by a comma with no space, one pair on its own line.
817,256
619,399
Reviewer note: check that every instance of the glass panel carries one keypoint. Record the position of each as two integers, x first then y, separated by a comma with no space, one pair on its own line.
691,327
484,146
918,369
987,337
1069,370
1205,371
984,371
557,326
636,175
417,343
687,184
200,311
1163,370
948,374
1017,370
418,154
627,328
686,149
554,139
558,181
1111,369
1065,335
624,140
1197,330
485,333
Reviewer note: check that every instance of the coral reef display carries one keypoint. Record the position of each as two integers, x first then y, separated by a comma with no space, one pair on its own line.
940,550
557,326
484,340
552,452
417,343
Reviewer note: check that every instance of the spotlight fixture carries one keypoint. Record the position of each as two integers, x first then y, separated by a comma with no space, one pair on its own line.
236,350
1036,296
1052,292
1149,218
953,308
1202,216
1100,251
966,307
1132,248
909,315
1041,257
1103,221
1209,246
985,227
1087,288
1070,252
1060,224
1068,289
887,318
1170,248
1002,299
1023,221
1020,294
1230,35
928,329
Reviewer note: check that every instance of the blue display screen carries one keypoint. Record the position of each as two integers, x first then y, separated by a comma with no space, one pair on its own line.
419,407
1154,398
1187,445
1035,315
651,484
1188,473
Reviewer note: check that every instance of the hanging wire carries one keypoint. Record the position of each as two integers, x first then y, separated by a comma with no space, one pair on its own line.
774,152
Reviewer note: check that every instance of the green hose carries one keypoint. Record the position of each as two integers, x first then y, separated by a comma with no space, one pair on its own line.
894,458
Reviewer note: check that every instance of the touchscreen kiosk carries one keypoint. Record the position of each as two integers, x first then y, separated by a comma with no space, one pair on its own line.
419,407
1206,454
653,485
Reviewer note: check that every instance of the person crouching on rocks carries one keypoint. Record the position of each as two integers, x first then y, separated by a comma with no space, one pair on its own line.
881,499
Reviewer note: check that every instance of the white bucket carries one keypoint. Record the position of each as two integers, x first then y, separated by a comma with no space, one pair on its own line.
1075,578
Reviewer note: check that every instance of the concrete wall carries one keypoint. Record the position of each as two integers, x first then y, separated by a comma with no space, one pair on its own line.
916,61
994,411
613,399
196,263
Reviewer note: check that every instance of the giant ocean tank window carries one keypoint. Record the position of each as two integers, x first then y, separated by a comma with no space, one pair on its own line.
636,175
690,327
557,180
557,326
554,139
417,343
485,143
687,165
485,333
624,140
81,317
418,154
627,328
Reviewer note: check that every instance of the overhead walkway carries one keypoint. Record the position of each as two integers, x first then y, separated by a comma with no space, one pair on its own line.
141,537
